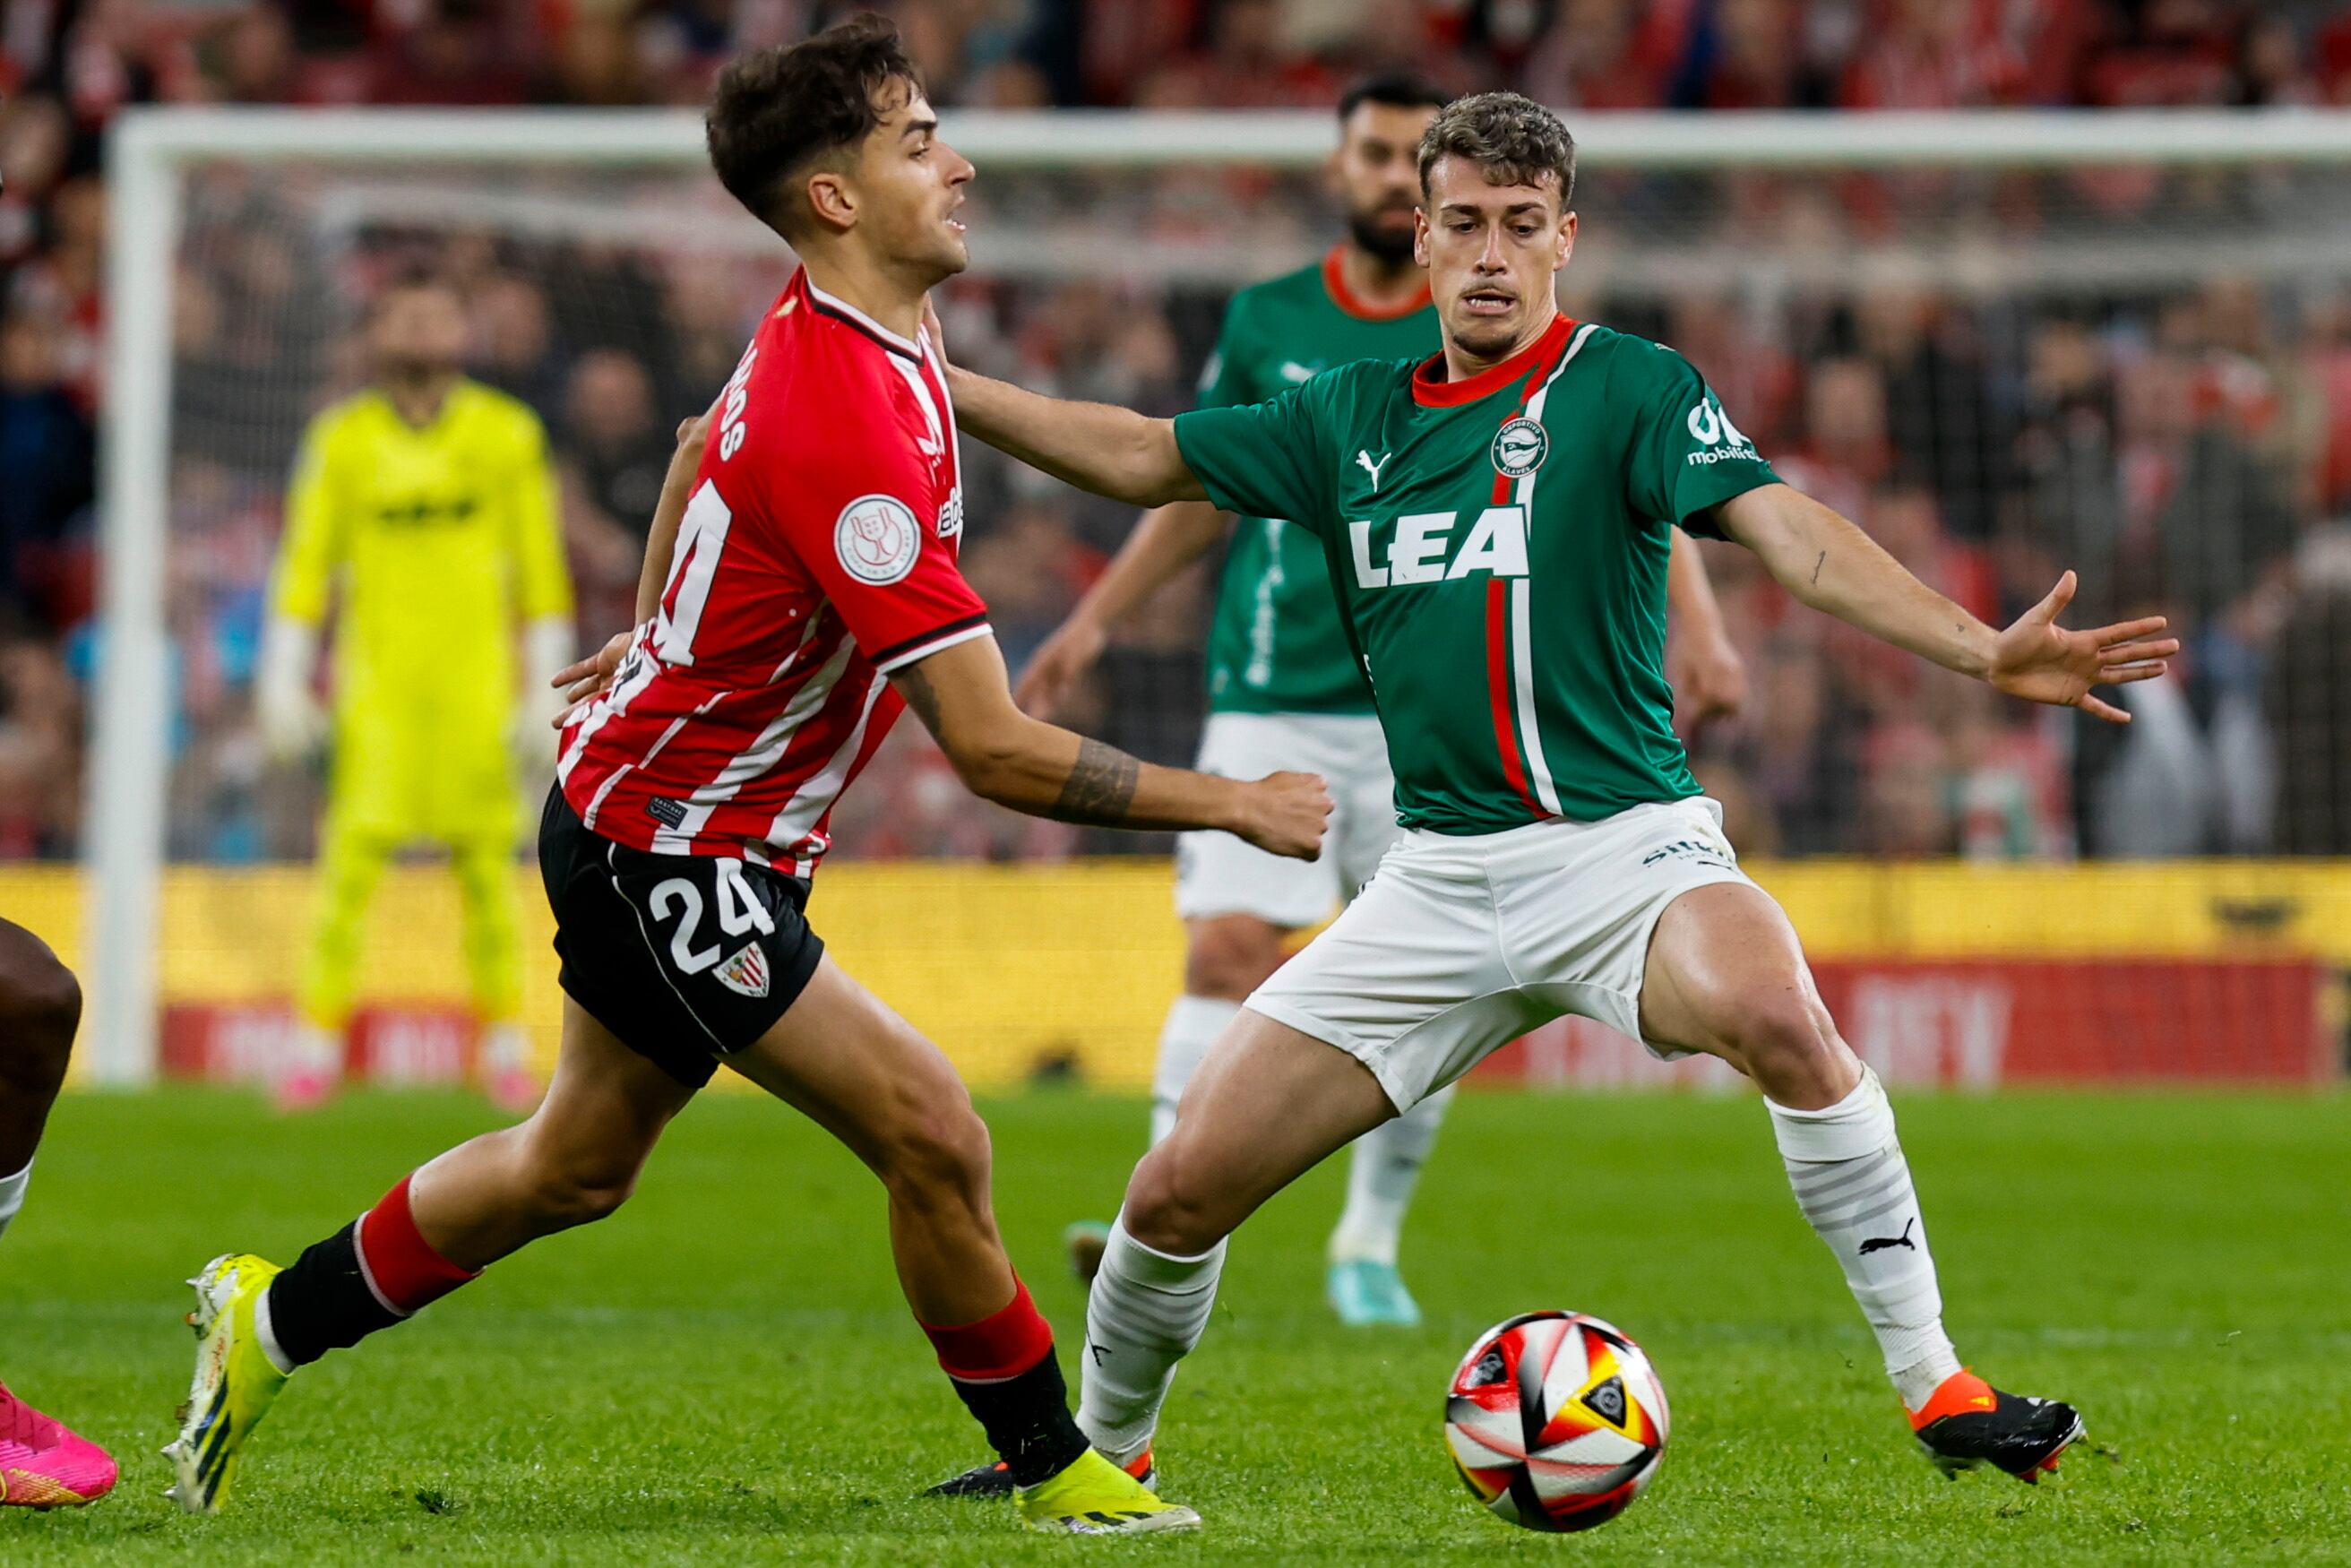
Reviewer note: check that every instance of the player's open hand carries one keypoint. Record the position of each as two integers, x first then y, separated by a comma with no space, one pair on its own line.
590,677
1057,667
1287,813
2037,658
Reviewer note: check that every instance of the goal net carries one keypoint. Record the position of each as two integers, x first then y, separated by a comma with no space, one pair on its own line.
2005,345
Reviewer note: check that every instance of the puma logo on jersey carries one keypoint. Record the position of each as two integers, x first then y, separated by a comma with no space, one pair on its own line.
1422,548
1295,373
1364,458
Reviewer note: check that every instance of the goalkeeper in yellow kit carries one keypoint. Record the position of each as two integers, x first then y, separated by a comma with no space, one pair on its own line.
423,508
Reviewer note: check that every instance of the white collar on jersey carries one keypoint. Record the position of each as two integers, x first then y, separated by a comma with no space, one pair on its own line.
839,306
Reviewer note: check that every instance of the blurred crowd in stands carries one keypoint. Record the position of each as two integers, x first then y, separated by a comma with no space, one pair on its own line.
2183,441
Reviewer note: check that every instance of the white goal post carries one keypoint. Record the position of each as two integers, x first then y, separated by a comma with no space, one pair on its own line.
149,151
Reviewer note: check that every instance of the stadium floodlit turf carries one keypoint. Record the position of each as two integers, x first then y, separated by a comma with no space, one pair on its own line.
723,1373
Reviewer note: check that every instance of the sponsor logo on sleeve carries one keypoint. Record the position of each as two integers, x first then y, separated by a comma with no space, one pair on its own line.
1718,440
877,539
1520,447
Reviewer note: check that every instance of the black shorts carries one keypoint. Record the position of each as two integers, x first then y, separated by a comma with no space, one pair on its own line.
688,958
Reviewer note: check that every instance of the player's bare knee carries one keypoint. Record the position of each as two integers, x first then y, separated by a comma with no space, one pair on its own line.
1169,1208
40,1009
570,1183
1228,957
938,1154
580,1194
1788,1044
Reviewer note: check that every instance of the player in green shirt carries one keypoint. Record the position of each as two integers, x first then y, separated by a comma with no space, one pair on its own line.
1495,523
1285,691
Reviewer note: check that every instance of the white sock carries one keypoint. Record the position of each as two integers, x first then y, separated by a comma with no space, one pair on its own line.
11,1195
1381,1174
1193,1025
1145,1313
1853,1186
264,1329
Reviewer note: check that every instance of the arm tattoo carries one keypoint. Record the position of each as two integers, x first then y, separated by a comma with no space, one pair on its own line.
916,687
1816,568
1100,788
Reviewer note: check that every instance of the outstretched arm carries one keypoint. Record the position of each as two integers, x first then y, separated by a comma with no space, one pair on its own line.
961,694
1164,542
1112,452
1830,564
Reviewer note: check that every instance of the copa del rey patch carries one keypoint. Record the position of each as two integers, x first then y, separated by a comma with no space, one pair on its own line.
745,974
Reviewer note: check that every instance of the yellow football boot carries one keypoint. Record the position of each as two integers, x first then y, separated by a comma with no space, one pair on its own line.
1094,1497
235,1384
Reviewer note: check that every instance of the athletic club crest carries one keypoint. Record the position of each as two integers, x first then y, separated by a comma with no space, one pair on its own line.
1520,447
745,974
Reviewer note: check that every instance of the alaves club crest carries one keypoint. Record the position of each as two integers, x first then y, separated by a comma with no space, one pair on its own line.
1520,447
745,974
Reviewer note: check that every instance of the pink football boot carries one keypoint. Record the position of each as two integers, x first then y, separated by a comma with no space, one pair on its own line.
42,1465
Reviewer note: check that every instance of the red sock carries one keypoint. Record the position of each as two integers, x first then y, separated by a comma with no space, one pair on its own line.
1005,1374
1002,1345
400,1266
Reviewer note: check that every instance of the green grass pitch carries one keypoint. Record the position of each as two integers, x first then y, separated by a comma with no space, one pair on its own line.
723,1373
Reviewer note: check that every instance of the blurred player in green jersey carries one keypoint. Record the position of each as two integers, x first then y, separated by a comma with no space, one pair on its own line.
423,509
1496,521
1284,689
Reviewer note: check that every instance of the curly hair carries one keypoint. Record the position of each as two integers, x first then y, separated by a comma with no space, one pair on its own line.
1513,140
777,111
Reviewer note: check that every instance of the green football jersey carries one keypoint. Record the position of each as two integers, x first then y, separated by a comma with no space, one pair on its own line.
1277,644
1499,545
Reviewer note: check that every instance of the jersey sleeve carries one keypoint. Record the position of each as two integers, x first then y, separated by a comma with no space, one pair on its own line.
1683,454
867,530
542,584
1265,459
312,544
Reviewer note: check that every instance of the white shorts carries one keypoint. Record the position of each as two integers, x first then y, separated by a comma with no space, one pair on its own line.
1463,943
1216,873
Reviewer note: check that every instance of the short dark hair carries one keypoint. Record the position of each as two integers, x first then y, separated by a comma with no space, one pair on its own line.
1514,140
410,277
777,111
1396,89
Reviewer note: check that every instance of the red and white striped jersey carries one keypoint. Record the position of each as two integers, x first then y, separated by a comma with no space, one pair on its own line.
817,555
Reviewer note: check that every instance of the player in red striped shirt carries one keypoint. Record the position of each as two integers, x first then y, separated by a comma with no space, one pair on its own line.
801,591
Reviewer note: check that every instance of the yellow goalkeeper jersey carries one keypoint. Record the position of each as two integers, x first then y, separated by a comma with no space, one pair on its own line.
439,541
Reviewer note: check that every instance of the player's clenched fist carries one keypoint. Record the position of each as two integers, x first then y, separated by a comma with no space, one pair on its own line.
1286,814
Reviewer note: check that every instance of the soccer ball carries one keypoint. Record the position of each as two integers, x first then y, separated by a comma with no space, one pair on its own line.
1556,1420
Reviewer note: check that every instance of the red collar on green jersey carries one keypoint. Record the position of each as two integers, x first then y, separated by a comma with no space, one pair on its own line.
1335,282
1431,390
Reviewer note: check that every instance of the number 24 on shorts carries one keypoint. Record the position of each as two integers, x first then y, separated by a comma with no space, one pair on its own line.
739,914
